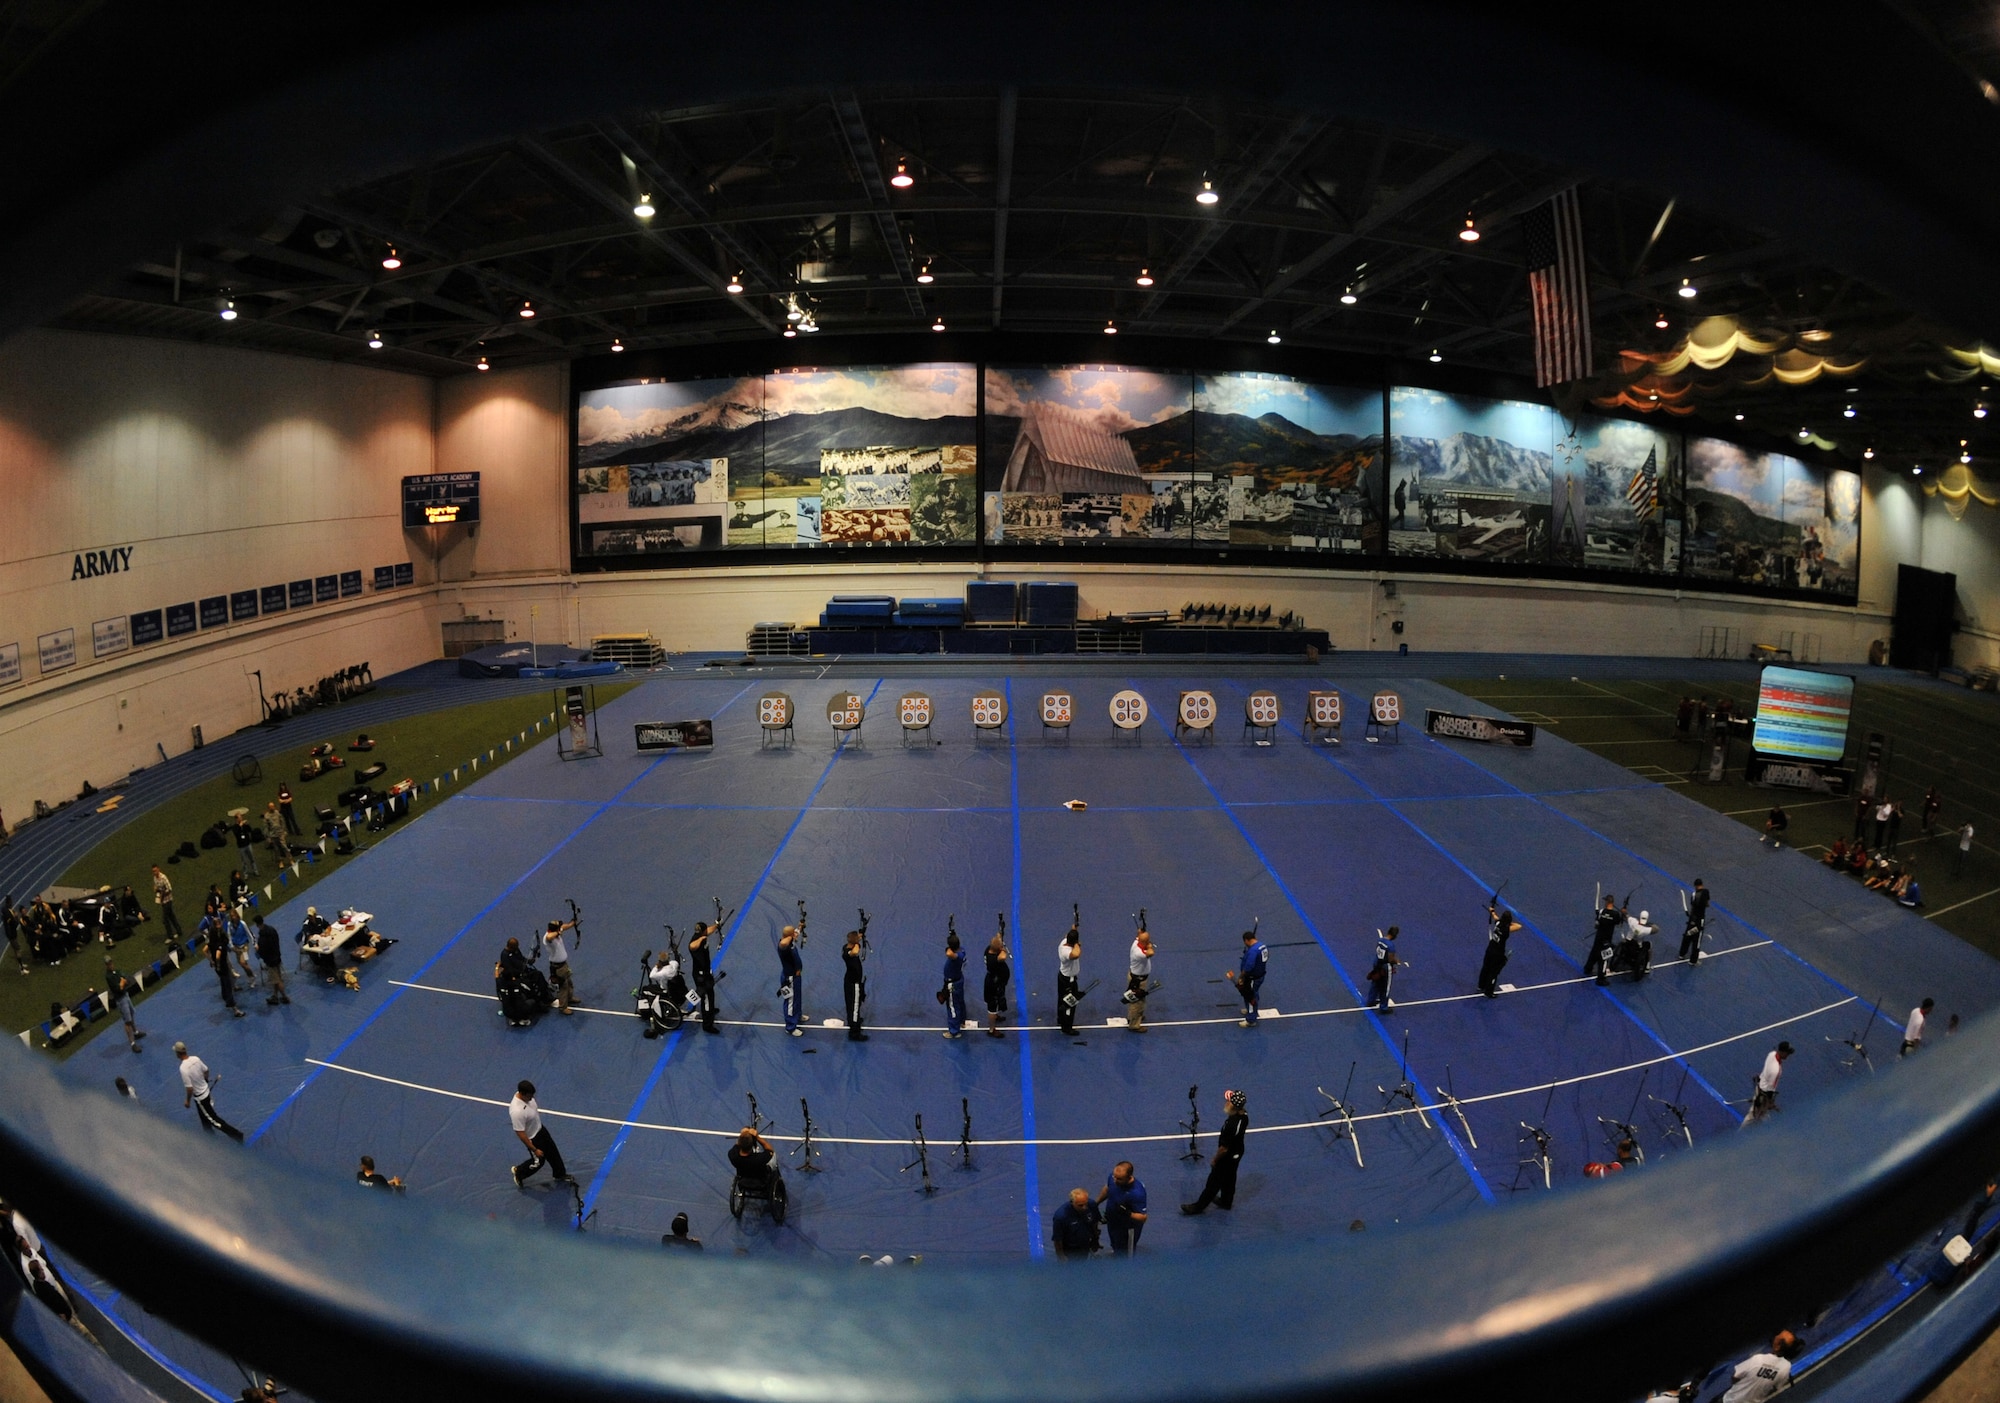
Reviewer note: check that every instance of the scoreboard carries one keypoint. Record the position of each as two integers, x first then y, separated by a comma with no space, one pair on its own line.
440,499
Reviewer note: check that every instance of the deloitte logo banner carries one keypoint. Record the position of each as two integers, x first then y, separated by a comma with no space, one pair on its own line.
1480,728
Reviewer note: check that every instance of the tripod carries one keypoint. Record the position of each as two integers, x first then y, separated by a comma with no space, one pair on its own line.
964,1150
1451,1101
1539,1136
1857,1043
1192,1126
1404,1090
1345,1130
580,1219
923,1159
806,1145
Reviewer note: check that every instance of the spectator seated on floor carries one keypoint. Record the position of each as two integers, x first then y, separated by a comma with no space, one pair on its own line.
1836,856
1881,874
1912,894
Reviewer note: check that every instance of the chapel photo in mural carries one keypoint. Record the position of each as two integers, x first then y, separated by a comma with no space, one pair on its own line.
1769,519
1616,498
1303,462
1470,479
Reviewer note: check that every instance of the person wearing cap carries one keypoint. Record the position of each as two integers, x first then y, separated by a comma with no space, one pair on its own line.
1697,923
1220,1189
1765,1374
552,942
1076,1227
1765,1100
526,1118
198,1088
1913,1031
679,1236
1248,977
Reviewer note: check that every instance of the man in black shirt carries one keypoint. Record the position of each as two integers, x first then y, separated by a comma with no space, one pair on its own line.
791,979
1076,1227
367,1174
1601,935
699,957
271,955
1500,925
679,1236
750,1157
1697,923
854,985
1220,1189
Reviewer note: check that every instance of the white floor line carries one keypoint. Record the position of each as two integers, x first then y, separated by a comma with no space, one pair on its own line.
1433,1107
1933,915
1271,1014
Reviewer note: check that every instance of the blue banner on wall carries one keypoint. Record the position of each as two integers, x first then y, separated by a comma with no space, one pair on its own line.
326,588
350,583
242,605
181,619
301,594
406,573
215,608
385,577
272,599
146,627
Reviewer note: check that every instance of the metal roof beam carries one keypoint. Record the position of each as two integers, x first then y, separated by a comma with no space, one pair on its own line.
691,203
853,124
1003,189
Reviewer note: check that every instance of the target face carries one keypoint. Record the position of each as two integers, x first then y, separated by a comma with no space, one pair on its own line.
1324,708
1261,708
1128,711
774,709
1197,710
989,711
914,711
1387,708
845,711
1057,708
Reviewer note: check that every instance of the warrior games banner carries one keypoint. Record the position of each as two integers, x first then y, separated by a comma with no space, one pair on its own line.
1492,729
674,735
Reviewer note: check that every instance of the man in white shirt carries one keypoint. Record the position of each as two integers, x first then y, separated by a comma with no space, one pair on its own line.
1069,968
1137,985
526,1117
198,1088
1765,1375
558,953
1766,1099
1964,847
1913,1031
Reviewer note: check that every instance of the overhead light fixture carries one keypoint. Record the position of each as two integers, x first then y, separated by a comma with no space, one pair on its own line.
228,312
1470,233
391,260
1347,298
1686,289
1274,338
1660,320
1979,410
1918,471
792,312
902,179
527,310
644,209
735,285
1739,418
1436,355
790,331
1110,327
1207,195
617,344
374,340
938,325
924,274
1868,453
1145,278
1965,457
1803,432
484,364
1848,413
807,324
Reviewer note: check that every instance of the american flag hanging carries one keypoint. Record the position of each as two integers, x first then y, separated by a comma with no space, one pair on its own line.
1558,289
1643,492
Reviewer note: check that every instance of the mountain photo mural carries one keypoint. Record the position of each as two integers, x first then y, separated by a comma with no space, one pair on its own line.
1469,479
1770,519
1303,461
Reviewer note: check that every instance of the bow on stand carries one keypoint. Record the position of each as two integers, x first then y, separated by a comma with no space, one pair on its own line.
575,921
802,924
862,911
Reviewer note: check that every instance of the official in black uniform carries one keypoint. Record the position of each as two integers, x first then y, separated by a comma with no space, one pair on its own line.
704,974
1069,969
792,978
1602,933
998,972
853,985
1220,1189
1500,925
1697,923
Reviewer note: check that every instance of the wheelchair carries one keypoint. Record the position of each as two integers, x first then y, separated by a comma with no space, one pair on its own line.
769,1191
663,1009
1633,957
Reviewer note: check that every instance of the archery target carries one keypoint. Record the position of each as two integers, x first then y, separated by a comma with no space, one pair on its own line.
914,711
1128,711
774,710
1387,709
1057,708
1324,708
1261,708
1197,710
989,711
845,711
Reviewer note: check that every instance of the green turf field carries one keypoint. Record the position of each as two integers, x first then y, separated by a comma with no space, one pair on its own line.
1942,738
418,747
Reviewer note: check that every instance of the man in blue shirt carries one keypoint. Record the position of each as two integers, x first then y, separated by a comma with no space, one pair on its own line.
1076,1225
1124,1200
1248,976
791,976
952,995
1383,972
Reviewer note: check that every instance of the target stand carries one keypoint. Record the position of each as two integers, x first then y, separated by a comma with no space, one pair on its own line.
576,737
774,719
1058,710
1322,717
913,712
1128,714
1260,715
989,714
1385,718
1195,715
845,711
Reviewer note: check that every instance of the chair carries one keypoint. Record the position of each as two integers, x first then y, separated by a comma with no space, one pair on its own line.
769,1191
774,718
913,710
989,713
1260,713
1128,712
1322,714
1058,709
1195,714
1385,716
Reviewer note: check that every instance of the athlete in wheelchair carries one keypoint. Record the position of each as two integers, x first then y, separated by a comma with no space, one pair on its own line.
1633,953
522,989
662,996
757,1178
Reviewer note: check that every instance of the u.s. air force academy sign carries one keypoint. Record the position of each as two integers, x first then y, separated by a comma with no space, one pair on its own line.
1485,728
89,564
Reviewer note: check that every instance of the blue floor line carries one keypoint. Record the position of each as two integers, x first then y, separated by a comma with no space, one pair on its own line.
484,911
617,1148
1559,952
1374,1018
1029,1166
136,1336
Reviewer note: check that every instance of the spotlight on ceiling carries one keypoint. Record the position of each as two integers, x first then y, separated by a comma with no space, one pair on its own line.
735,285
527,310
902,179
484,364
1660,320
807,324
1965,457
790,331
644,209
617,343
228,312
1979,410
1739,418
1347,298
1207,195
1869,454
392,260
1917,471
924,274
1686,289
1803,432
938,325
1848,413
1145,278
374,340
792,312
1436,355
1110,327
1470,233
1274,338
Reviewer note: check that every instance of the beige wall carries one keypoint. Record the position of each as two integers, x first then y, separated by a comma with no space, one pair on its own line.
1970,549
